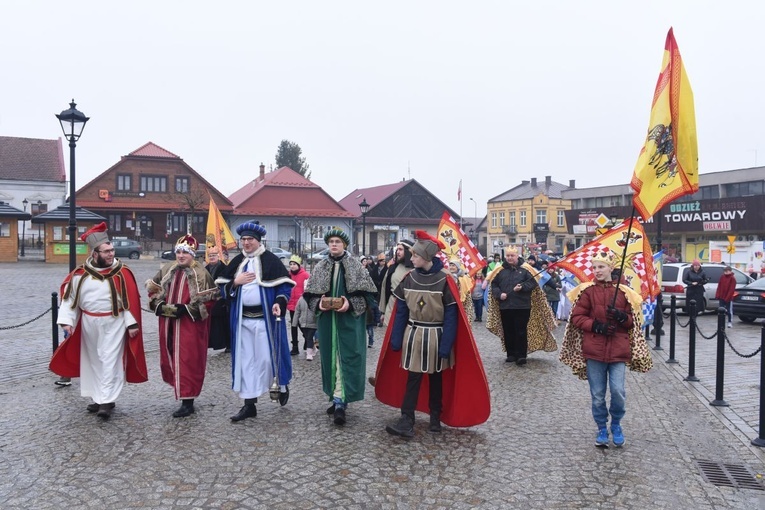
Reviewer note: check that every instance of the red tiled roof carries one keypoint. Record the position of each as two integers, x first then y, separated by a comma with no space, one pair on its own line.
373,196
285,192
152,150
31,159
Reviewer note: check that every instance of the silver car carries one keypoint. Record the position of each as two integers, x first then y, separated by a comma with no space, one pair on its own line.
672,283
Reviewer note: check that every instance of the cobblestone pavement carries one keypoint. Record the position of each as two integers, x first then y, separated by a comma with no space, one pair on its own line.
536,450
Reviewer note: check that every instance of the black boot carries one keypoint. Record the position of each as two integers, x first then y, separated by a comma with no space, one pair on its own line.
105,411
186,409
404,427
294,351
435,422
248,410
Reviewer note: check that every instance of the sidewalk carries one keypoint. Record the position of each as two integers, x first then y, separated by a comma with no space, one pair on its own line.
536,450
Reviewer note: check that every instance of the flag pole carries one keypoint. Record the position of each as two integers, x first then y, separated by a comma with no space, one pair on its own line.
624,253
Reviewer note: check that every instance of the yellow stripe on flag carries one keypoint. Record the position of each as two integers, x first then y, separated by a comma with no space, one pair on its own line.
218,234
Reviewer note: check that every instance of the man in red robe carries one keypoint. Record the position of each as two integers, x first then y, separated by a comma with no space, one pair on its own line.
182,294
100,314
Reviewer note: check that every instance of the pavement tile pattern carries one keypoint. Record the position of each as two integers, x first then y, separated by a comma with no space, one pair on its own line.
536,451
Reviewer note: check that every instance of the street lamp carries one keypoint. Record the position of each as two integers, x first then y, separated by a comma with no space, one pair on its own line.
72,123
475,210
364,206
25,203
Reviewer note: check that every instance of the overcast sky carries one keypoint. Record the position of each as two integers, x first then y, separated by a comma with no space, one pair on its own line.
487,92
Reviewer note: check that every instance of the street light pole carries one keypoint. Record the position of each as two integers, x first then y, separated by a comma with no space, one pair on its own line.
39,237
364,206
24,202
72,123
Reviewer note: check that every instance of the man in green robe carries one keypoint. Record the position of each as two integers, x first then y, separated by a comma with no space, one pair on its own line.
341,322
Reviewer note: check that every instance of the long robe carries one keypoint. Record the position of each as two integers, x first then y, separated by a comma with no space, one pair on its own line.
220,331
99,349
260,349
466,399
183,341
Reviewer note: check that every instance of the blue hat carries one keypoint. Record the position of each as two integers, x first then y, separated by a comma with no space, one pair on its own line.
251,229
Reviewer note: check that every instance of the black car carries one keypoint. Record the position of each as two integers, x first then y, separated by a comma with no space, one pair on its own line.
749,301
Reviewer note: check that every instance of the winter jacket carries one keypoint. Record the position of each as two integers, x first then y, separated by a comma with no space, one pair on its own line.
592,306
726,287
297,291
506,280
552,287
692,277
304,317
373,312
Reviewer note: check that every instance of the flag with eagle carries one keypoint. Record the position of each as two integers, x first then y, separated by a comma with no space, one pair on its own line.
458,245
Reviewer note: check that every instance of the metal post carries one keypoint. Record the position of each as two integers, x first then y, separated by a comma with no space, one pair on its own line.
760,439
54,319
657,331
363,234
692,342
24,230
718,401
72,210
672,322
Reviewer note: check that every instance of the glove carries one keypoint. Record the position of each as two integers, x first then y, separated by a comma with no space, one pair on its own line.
159,308
603,329
616,315
181,311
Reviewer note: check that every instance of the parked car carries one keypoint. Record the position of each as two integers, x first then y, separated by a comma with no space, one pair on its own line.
749,301
319,255
127,248
672,283
282,254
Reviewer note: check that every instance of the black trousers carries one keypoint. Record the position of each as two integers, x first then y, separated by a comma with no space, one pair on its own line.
413,391
514,324
293,329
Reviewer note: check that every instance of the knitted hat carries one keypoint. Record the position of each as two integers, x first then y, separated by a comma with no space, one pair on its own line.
187,244
336,232
251,229
96,236
297,260
425,245
605,256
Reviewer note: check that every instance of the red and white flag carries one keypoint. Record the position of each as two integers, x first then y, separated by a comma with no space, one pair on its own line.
458,244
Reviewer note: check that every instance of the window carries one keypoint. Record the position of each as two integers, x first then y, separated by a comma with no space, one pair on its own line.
115,222
124,182
523,217
512,217
179,223
39,208
561,218
493,220
153,184
5,230
199,224
502,219
541,215
182,184
744,189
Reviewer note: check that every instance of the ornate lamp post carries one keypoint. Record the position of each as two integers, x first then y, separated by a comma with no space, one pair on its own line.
72,123
364,206
25,203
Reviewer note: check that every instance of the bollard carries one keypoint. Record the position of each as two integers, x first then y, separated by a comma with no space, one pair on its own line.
672,322
692,342
760,440
657,331
54,319
718,401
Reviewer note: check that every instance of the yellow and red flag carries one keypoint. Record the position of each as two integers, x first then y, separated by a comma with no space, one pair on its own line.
639,271
458,244
668,164
218,234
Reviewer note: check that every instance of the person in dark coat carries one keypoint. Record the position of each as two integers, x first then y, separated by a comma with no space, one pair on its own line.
695,279
220,336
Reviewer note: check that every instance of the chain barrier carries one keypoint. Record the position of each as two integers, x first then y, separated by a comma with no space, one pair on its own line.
710,337
27,322
677,319
755,353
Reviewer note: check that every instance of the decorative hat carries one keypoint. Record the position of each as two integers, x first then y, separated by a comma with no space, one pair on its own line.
425,245
605,256
96,236
251,229
187,244
406,243
297,260
511,249
336,232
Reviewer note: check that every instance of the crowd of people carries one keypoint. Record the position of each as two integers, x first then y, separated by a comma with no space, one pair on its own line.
426,305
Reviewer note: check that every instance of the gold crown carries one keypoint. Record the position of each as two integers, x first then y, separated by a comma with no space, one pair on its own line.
605,256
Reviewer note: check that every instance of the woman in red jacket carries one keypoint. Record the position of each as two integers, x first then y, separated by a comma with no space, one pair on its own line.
725,289
299,275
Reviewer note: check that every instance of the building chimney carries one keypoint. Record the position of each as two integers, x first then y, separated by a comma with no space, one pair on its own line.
262,171
533,182
548,180
572,184
523,183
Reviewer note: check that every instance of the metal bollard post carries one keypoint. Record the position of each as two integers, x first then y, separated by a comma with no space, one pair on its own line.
718,401
657,331
692,342
760,440
54,319
672,322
